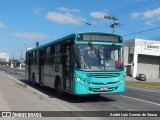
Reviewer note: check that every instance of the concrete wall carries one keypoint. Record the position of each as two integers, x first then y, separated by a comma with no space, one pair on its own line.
149,65
126,53
145,54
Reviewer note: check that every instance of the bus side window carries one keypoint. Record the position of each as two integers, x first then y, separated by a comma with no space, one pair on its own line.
27,58
57,56
37,57
34,57
31,57
67,56
43,55
47,59
57,48
52,53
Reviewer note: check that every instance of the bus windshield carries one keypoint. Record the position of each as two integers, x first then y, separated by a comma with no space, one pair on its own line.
99,57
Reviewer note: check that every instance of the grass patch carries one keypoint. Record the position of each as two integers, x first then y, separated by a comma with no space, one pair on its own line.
144,84
20,85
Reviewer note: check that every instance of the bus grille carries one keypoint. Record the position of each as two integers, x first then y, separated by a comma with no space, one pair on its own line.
96,83
103,75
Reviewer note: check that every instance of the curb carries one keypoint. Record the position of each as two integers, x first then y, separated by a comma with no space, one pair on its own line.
55,101
27,86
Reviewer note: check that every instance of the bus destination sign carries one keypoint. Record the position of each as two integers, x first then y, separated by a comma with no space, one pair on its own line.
101,38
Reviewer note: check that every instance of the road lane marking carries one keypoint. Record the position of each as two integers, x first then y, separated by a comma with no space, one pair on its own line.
141,100
144,89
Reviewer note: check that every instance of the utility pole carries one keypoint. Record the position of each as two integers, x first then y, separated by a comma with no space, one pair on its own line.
114,25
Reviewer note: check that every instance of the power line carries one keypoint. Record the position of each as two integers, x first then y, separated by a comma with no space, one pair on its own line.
142,31
132,30
126,9
133,7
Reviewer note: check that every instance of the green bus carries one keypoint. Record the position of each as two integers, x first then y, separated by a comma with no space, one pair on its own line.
80,64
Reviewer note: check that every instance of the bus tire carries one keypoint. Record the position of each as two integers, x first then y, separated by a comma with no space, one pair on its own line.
95,95
59,87
33,79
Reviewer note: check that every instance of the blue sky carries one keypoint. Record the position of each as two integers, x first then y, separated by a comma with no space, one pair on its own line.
23,22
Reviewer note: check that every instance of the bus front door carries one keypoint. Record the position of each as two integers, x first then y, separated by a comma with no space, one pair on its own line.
67,71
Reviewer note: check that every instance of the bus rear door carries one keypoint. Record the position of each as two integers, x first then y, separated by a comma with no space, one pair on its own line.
41,66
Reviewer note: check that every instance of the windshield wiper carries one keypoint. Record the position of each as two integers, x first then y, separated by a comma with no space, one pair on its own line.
96,52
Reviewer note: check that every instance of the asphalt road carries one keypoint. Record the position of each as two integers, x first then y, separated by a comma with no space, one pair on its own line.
134,99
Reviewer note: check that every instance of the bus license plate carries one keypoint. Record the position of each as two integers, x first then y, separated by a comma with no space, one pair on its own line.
103,89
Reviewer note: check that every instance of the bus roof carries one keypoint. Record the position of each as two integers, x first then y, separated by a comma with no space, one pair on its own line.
53,42
68,37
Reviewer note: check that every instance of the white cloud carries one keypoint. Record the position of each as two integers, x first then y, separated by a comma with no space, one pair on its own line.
2,25
149,23
98,14
63,9
30,36
158,18
37,10
94,22
54,37
150,14
105,10
64,18
135,15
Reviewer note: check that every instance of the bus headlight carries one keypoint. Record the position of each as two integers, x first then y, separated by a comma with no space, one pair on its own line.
120,81
78,78
83,82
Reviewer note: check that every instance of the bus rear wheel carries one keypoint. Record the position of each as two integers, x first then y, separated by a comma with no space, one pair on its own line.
33,79
59,87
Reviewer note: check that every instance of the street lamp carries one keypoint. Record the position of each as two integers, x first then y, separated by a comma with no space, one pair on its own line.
92,26
20,65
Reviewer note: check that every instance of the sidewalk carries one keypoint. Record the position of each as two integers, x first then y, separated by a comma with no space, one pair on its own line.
14,96
131,79
3,104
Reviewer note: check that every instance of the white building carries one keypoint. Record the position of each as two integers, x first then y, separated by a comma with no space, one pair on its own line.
4,57
142,56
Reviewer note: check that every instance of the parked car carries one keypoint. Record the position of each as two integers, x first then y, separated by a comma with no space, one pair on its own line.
141,76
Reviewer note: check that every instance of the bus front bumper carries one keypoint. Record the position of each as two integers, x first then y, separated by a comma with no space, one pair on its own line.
83,88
